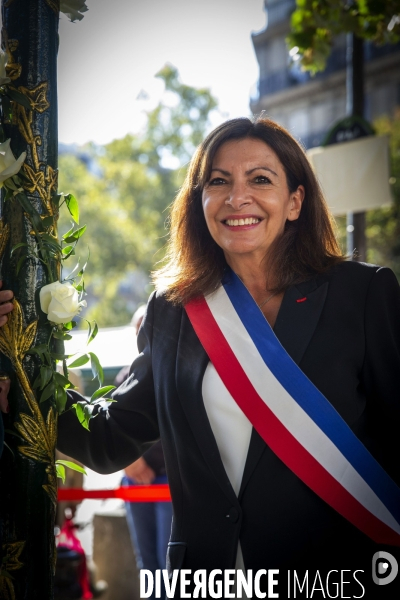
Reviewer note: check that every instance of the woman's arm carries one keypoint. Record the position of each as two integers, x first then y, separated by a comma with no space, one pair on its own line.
121,432
6,305
381,369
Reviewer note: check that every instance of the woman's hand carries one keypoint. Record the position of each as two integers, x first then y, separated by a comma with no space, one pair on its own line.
140,472
6,305
4,389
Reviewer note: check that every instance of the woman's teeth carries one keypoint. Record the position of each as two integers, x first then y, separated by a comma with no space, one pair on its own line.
237,222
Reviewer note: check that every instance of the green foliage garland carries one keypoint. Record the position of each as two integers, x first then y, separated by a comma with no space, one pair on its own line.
50,384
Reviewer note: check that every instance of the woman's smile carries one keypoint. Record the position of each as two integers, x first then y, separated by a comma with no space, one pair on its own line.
242,222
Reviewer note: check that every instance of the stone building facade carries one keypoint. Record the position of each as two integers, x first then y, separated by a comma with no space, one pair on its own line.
308,106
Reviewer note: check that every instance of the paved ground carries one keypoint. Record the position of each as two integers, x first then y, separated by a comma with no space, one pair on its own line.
88,508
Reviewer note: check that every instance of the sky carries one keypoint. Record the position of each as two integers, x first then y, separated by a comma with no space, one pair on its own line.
108,60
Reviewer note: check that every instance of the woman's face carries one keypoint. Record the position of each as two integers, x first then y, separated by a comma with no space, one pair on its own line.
246,201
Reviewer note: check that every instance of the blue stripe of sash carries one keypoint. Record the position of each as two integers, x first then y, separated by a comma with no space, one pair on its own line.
311,400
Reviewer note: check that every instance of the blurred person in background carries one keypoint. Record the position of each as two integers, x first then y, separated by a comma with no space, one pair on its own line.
149,522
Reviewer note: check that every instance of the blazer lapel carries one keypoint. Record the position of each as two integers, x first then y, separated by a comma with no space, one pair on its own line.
191,364
295,325
298,317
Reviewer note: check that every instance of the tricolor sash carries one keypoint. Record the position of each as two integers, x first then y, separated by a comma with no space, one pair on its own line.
292,416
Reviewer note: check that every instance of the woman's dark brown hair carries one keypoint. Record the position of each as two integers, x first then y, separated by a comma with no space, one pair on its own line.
307,246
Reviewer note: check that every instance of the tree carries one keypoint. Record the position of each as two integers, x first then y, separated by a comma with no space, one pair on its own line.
314,27
127,206
315,23
383,224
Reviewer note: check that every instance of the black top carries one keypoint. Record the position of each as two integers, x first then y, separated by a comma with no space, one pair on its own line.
154,456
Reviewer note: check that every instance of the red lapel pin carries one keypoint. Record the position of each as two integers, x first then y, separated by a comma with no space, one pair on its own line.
301,299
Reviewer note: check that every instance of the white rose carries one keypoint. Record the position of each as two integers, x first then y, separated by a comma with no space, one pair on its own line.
60,301
3,75
9,166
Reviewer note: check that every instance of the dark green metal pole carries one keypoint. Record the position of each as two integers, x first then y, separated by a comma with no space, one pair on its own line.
27,476
355,107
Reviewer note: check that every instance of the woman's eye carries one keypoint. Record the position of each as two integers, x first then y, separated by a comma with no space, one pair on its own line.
217,181
262,179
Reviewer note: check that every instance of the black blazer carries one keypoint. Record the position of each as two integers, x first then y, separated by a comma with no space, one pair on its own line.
346,339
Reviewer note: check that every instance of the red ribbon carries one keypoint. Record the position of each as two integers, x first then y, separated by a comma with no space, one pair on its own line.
131,493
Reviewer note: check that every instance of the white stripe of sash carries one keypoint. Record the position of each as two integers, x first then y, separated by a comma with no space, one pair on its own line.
286,409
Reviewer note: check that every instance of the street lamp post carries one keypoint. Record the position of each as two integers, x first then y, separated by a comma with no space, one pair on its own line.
355,107
27,472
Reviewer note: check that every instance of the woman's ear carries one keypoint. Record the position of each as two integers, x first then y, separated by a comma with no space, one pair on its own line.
296,201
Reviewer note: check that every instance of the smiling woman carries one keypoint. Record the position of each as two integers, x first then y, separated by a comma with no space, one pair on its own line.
269,367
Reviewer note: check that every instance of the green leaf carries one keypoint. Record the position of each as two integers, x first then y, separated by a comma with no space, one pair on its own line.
37,382
92,335
70,325
17,246
78,233
73,207
62,380
58,356
39,349
68,232
88,410
11,184
9,195
20,262
107,400
51,241
46,356
73,9
60,470
102,392
18,97
46,374
60,335
61,397
71,465
97,369
79,362
47,392
81,272
80,413
68,250
6,107
71,253
31,210
89,326
74,270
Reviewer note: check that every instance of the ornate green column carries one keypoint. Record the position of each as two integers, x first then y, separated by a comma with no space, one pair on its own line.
27,472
